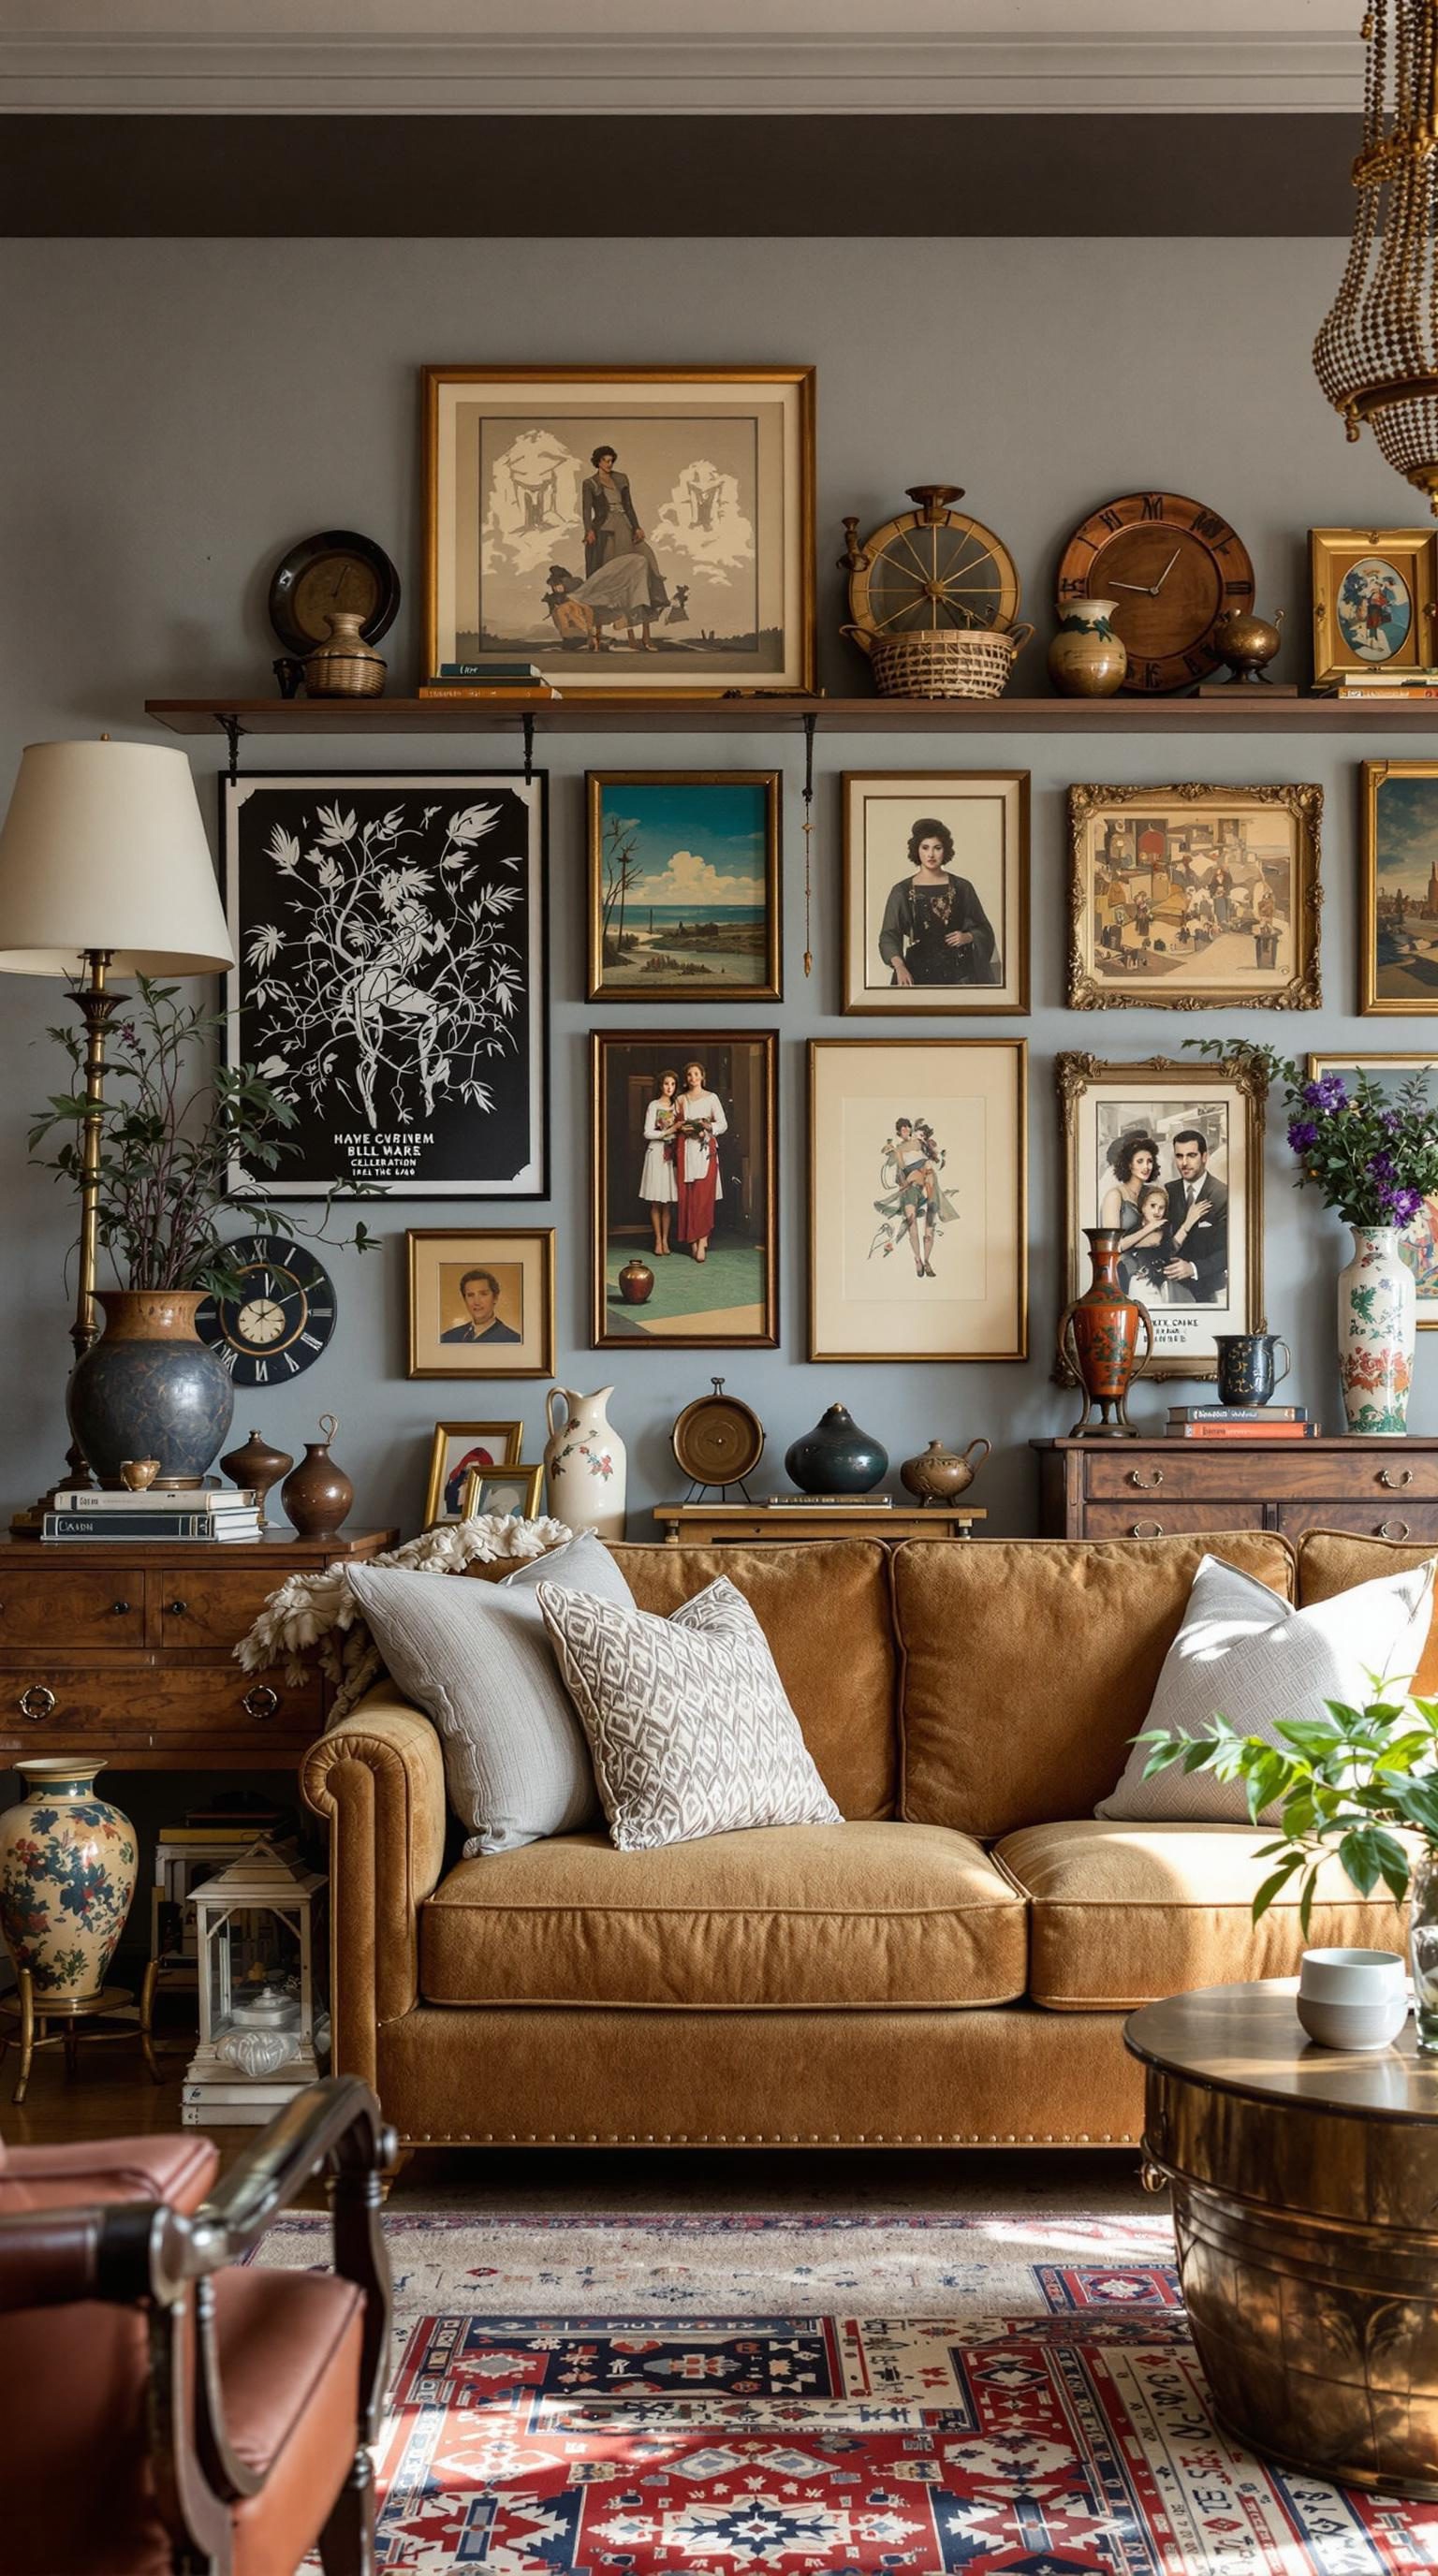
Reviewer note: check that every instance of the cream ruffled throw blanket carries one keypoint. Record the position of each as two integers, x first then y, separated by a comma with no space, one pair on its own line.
316,1616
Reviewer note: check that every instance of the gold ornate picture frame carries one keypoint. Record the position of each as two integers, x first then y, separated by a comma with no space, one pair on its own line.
1375,601
459,1449
1398,890
1194,898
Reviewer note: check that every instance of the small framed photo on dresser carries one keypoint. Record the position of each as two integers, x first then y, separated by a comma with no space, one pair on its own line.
460,1450
936,892
481,1302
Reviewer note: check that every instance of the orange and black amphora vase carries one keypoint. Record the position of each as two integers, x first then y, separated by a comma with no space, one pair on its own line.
1106,1339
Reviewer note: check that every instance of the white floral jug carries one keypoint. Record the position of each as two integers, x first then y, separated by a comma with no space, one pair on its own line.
584,1462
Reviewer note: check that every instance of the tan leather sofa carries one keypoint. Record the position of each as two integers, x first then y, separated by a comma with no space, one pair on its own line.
949,1967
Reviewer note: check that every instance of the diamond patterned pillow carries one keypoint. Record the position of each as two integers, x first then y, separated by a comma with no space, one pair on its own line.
687,1719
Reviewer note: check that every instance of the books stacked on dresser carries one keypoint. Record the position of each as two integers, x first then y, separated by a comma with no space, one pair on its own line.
1232,1422
200,1513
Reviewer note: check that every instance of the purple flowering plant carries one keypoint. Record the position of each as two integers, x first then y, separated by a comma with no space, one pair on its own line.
1371,1150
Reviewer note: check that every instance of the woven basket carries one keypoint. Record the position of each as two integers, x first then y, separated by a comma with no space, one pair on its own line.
942,662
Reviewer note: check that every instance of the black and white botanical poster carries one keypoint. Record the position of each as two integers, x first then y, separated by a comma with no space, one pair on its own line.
390,938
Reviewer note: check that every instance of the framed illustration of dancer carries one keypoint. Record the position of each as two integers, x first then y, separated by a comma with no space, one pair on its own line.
630,530
1194,898
684,885
918,1199
685,1244
1398,893
1171,1154
1419,1241
389,928
936,891
481,1304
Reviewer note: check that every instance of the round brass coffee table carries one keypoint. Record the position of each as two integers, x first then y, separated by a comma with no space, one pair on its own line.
1305,2198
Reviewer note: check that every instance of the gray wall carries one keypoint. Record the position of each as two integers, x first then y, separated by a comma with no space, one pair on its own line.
175,414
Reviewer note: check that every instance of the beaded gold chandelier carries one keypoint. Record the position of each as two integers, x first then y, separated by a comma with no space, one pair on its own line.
1376,355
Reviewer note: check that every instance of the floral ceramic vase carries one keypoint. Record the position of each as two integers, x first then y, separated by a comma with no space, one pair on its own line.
1105,1338
1088,657
584,1462
1377,1302
67,1876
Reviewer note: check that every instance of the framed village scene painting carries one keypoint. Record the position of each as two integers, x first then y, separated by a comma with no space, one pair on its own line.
624,529
918,1199
1419,1241
1194,898
684,885
1172,1155
481,1304
936,891
1398,897
685,1199
389,930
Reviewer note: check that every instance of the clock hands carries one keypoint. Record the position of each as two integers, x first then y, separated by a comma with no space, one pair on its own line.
1149,589
1168,567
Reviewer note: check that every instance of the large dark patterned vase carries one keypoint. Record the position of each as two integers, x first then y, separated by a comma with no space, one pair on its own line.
1106,1338
149,1387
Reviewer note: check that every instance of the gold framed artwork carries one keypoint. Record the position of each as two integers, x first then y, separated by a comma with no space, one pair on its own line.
918,1199
685,1206
1419,1242
936,891
1171,1154
514,1493
684,900
458,1450
633,531
481,1301
1398,889
1375,599
1194,898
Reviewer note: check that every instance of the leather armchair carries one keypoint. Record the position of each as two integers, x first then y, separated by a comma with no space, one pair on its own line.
166,2410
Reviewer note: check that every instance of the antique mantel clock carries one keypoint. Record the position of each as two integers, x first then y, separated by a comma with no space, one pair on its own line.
282,1319
931,568
1172,568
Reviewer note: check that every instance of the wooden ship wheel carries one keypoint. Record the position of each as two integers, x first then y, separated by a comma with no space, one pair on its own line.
933,570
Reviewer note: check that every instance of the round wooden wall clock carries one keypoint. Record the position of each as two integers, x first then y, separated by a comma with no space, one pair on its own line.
283,1319
1171,567
931,568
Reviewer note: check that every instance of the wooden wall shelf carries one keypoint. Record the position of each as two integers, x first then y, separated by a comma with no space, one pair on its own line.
1248,711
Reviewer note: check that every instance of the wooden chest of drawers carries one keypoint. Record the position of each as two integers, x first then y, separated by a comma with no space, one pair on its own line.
127,1650
1144,1488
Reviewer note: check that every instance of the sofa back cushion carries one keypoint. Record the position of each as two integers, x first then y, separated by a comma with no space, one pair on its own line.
1332,1561
1028,1664
824,1608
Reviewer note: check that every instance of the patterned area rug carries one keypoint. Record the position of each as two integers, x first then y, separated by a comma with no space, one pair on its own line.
745,2395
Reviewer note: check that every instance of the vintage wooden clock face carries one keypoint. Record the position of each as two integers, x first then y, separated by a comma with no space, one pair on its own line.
932,569
1171,567
282,1320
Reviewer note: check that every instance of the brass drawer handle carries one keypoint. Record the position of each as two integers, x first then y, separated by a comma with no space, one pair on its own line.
1146,1529
37,1702
177,1609
261,1701
1145,1483
1395,1484
1393,1529
119,1609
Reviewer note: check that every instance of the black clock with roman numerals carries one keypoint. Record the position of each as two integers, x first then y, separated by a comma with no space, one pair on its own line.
280,1322
1171,567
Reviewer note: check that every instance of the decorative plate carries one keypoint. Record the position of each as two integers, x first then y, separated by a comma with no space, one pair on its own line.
339,569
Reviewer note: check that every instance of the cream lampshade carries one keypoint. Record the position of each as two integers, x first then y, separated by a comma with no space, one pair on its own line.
103,848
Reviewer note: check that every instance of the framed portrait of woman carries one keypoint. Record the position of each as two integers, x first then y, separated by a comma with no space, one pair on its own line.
936,891
918,1199
685,1246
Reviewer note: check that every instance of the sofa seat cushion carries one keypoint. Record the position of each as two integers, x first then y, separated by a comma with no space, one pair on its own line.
1121,1914
821,1917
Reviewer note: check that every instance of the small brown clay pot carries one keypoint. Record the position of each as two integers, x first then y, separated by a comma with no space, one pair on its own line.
255,1468
317,1494
636,1282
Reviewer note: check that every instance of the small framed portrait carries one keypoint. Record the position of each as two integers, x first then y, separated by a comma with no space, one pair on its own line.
1398,892
514,1496
936,891
684,885
1171,1154
685,1244
1375,599
1419,1244
481,1304
1194,898
461,1449
918,1199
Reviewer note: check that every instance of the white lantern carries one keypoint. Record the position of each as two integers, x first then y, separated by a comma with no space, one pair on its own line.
254,1924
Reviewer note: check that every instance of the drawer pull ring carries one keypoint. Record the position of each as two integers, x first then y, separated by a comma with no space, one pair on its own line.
37,1702
261,1701
1395,1484
1145,1483
1146,1529
1393,1529
119,1609
177,1609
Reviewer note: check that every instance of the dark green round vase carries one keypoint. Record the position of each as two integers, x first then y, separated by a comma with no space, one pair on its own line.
149,1387
836,1457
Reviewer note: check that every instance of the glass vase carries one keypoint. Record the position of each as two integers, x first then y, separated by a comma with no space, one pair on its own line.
1423,1951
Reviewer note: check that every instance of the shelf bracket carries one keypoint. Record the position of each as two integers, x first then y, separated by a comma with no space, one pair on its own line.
529,750
810,724
231,728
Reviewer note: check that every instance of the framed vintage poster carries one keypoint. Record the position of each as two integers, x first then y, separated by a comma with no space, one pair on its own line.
1398,891
685,1228
1375,598
1419,1242
643,530
389,928
1171,1154
459,1449
684,885
515,1494
936,891
1194,898
918,1199
481,1304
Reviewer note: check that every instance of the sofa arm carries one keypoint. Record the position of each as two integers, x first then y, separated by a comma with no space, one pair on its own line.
378,1780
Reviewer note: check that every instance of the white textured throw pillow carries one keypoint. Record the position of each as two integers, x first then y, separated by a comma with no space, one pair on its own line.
687,1719
1247,1654
476,1658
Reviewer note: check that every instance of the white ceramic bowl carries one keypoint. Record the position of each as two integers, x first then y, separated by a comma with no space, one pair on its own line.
1352,1998
1353,2026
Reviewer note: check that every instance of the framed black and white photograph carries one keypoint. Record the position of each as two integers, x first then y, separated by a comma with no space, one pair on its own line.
389,929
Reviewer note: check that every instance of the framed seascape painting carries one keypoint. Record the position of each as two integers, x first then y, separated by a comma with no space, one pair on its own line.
627,529
481,1304
1419,1242
461,1449
390,933
918,1199
1398,896
1194,898
684,885
1374,601
685,1243
936,891
1171,1154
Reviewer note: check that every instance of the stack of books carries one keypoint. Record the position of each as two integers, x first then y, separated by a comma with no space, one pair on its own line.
488,680
165,1512
1388,684
833,1502
1232,1422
